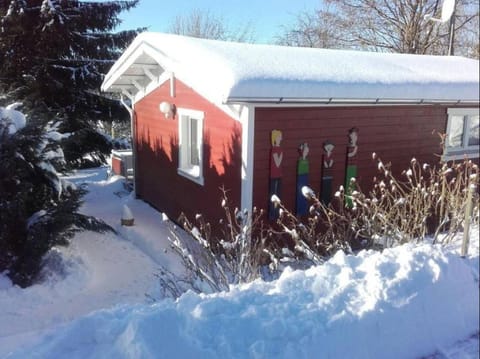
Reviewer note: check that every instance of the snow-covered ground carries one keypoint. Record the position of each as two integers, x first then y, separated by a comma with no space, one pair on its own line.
412,301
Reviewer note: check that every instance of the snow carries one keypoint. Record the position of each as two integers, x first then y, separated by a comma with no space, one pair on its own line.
54,154
12,119
411,301
99,271
47,6
35,218
229,72
127,213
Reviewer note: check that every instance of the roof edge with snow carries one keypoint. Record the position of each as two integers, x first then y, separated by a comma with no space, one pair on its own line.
228,72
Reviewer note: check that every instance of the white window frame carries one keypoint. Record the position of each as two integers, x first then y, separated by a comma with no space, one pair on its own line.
186,169
463,151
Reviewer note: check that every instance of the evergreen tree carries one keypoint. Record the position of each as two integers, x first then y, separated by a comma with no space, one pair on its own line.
53,56
38,210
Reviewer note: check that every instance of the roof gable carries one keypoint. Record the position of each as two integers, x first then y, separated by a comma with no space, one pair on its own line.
226,72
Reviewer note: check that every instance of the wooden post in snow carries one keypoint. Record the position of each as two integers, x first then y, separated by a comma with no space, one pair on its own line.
127,216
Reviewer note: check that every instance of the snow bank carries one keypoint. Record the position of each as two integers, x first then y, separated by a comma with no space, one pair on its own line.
405,302
5,282
97,271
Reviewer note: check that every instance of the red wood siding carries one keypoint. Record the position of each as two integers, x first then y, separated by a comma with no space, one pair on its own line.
117,165
395,133
157,180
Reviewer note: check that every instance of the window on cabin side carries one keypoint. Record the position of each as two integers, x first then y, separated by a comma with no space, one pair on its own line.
462,133
193,140
190,129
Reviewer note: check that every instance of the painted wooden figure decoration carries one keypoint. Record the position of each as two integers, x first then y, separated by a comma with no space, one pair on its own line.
302,179
276,157
351,170
327,176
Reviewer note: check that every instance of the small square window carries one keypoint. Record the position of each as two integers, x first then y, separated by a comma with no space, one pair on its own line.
462,134
190,130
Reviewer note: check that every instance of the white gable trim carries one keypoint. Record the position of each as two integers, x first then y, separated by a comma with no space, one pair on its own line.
136,87
152,85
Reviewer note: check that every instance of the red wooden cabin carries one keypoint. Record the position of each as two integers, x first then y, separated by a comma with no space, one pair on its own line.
203,113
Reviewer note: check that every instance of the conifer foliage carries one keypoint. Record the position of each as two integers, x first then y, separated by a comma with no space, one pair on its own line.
53,56
38,209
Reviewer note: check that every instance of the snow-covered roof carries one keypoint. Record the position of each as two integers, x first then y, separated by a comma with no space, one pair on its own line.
228,72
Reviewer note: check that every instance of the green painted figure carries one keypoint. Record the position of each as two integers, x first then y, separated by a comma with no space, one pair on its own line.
351,170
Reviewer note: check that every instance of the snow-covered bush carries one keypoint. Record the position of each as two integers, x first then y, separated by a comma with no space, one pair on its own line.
38,209
427,201
234,255
301,243
243,248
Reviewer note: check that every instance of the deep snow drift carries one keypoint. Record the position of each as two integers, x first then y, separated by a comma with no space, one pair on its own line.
406,302
403,303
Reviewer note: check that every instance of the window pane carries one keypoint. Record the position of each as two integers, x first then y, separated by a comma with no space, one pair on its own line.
455,134
194,155
473,134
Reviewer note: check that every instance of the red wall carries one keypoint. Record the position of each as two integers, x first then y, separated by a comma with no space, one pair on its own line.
395,133
157,181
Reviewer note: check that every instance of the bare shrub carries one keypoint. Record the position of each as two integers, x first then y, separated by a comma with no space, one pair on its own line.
426,201
213,262
203,271
325,231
